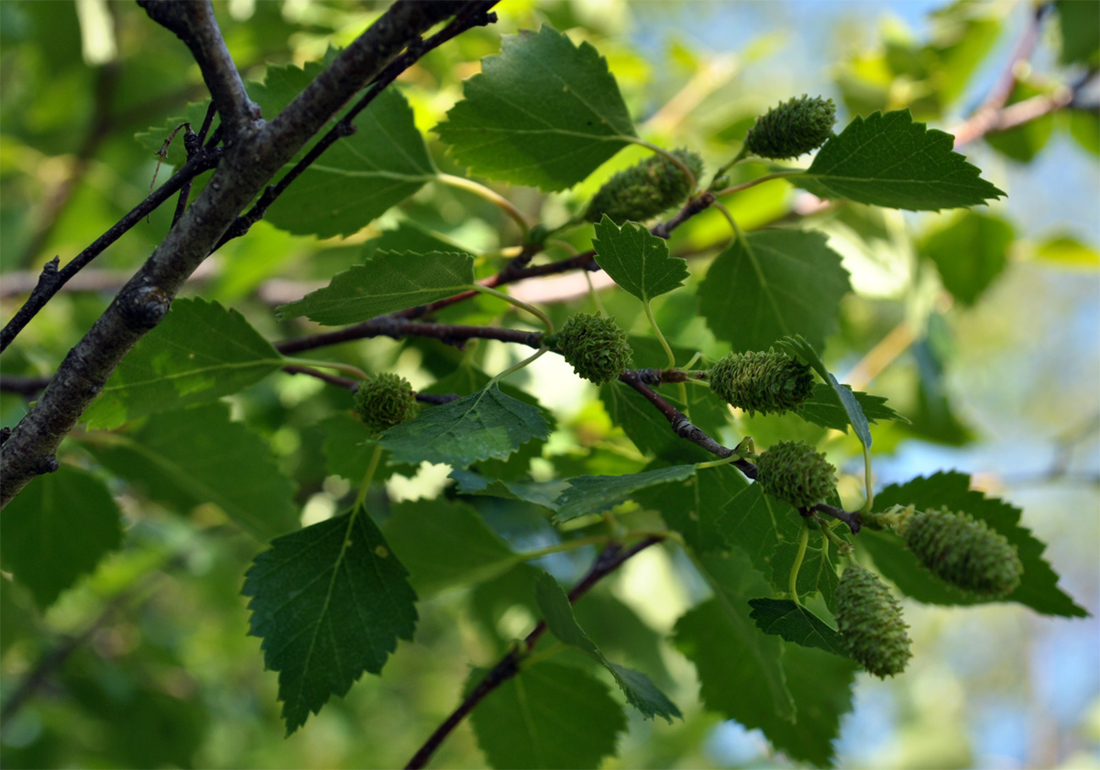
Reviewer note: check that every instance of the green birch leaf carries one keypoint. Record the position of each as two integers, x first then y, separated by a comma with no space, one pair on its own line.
798,346
487,424
1079,23
756,525
640,692
56,530
648,428
446,545
773,284
389,281
889,160
638,260
817,573
544,113
592,494
187,458
200,352
329,601
349,448
821,685
796,624
547,717
730,654
969,252
691,507
360,176
544,493
823,408
1039,586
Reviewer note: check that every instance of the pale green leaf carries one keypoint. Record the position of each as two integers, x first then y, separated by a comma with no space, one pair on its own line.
592,494
386,283
796,624
329,601
360,176
638,260
200,352
969,252
547,717
544,113
772,284
487,424
56,530
889,160
196,456
640,692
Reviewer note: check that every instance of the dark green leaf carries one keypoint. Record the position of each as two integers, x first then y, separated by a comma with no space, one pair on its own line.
195,456
547,716
890,161
640,692
445,545
175,154
824,409
1079,22
487,424
592,494
349,447
1039,586
799,347
388,282
969,252
817,573
638,260
544,113
56,530
773,284
647,427
1023,142
199,352
733,659
797,624
540,493
330,601
360,176
756,524
692,507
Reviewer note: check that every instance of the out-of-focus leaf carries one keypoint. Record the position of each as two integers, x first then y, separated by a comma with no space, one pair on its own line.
1068,251
969,252
592,494
1079,22
1024,142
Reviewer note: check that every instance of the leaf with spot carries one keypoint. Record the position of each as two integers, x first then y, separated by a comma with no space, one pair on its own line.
329,601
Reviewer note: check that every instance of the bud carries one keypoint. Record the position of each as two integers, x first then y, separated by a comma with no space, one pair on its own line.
644,190
595,346
869,619
793,128
385,400
769,383
965,552
794,473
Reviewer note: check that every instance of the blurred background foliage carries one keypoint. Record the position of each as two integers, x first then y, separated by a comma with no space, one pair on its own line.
146,664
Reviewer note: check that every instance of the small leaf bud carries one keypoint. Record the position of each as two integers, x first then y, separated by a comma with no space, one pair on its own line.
385,400
769,383
965,552
869,619
644,190
793,128
595,346
794,473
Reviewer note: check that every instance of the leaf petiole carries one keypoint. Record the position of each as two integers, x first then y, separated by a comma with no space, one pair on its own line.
518,303
487,194
346,368
792,586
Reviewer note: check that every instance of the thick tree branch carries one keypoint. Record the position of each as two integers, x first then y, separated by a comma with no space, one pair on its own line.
257,152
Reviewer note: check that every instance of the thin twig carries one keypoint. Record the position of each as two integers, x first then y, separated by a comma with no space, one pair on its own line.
399,328
610,559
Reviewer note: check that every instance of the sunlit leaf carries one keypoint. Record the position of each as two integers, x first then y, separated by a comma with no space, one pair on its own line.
638,260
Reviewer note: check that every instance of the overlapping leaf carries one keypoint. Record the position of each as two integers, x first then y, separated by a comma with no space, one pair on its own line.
200,352
797,624
691,507
1039,586
487,424
592,494
547,717
638,260
386,283
798,346
544,113
195,456
772,284
329,601
640,691
823,408
889,160
360,176
56,530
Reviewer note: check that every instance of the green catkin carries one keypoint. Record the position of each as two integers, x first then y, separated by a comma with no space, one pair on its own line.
644,190
964,551
594,346
870,620
794,473
769,383
793,128
385,400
